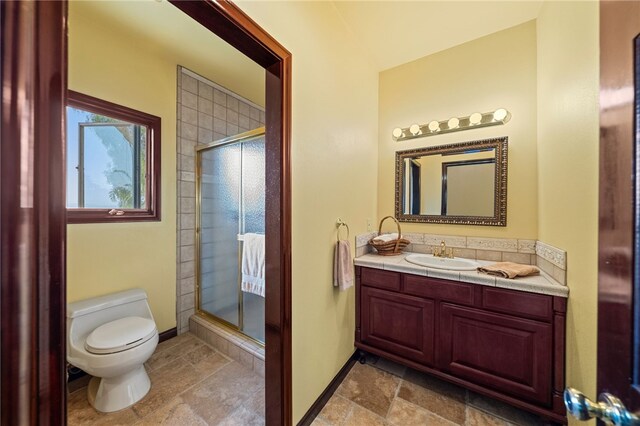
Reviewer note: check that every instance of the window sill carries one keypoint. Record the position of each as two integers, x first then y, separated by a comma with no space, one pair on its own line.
79,216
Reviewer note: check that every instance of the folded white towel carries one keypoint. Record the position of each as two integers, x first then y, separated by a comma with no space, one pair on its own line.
253,264
342,266
387,237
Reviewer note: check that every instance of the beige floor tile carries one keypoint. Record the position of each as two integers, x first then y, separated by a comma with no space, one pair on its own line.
319,422
199,354
80,412
336,410
243,416
174,413
390,367
179,366
166,383
403,413
206,360
437,399
371,388
167,355
480,418
505,411
181,338
359,416
257,402
219,395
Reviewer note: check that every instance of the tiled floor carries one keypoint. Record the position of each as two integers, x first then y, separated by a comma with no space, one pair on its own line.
191,384
384,393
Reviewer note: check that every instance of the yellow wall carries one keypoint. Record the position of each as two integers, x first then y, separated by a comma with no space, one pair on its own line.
496,71
568,84
109,62
334,153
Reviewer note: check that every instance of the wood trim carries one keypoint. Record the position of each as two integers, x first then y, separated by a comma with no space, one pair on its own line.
226,20
559,352
168,334
326,394
617,176
153,188
230,23
32,212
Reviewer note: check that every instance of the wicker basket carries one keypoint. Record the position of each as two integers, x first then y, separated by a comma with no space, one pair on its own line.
389,248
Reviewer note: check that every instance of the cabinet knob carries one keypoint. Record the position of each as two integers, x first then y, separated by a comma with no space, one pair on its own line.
609,409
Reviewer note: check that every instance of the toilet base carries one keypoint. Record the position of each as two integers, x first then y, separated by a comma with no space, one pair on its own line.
108,394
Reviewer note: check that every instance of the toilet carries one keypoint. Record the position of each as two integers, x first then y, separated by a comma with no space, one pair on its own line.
111,337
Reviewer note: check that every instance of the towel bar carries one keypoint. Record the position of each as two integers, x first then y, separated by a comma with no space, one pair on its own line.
340,224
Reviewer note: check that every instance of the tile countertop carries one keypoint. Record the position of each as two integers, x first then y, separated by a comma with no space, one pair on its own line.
542,284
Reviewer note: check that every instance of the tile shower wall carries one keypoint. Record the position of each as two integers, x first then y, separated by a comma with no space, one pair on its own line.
206,112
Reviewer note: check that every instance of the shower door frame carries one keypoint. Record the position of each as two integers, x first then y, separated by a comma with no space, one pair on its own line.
235,139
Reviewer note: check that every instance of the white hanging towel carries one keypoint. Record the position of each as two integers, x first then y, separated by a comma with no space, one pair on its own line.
342,266
253,264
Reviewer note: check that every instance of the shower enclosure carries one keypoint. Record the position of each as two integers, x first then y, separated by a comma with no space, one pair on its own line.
230,194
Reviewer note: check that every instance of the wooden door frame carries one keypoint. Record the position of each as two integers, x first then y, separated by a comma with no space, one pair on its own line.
33,213
616,251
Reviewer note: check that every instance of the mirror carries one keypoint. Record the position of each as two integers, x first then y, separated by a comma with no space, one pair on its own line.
463,183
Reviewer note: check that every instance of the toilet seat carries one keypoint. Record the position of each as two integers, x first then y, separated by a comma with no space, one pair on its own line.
120,335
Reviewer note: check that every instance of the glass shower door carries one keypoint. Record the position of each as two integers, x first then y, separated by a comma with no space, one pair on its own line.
252,215
231,190
220,177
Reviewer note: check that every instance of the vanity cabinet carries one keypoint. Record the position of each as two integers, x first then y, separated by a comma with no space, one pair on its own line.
400,324
503,343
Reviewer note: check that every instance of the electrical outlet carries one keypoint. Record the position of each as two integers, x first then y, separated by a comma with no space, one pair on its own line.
368,225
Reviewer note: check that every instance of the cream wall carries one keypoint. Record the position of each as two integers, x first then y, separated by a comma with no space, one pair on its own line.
109,62
568,84
496,71
334,157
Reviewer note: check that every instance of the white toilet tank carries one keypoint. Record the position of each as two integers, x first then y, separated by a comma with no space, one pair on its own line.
86,315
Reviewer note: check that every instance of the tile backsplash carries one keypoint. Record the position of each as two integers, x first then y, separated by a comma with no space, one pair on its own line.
549,259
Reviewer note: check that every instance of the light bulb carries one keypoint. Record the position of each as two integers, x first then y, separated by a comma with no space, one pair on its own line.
397,132
500,114
434,126
414,129
475,118
453,122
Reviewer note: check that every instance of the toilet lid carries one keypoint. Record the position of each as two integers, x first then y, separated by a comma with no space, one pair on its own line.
120,335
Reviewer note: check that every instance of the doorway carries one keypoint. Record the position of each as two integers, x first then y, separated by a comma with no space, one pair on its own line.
33,210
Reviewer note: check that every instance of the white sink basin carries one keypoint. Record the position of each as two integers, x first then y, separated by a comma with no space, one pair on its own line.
430,261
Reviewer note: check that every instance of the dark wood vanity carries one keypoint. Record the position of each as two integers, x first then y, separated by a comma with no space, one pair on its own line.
506,344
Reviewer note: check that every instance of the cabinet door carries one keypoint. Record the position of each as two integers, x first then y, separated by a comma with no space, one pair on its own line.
509,354
399,324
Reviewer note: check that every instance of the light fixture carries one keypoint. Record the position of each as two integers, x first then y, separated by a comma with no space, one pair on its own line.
500,114
454,124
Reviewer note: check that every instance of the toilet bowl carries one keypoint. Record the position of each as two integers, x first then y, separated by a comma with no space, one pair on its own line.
111,337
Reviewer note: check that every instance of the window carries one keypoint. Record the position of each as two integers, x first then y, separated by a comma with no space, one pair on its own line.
113,162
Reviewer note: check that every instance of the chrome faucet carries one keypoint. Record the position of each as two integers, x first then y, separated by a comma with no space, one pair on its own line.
442,251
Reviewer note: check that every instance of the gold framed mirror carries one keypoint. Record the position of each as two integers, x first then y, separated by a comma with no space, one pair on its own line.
463,183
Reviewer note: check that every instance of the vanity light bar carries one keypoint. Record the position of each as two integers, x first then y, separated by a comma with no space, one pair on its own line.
453,124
